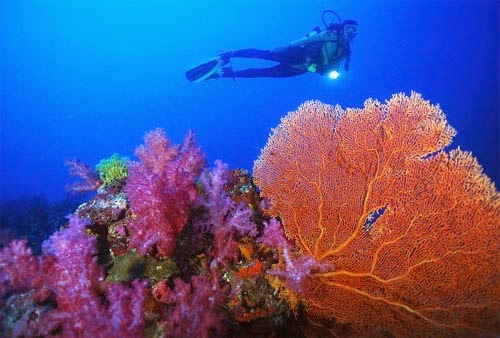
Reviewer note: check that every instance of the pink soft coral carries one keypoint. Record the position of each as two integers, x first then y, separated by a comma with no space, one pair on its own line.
68,273
160,189
17,265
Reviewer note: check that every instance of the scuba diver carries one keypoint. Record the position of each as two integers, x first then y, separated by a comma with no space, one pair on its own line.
321,51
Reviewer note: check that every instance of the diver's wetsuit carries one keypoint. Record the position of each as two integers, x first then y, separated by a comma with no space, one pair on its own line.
288,59
292,60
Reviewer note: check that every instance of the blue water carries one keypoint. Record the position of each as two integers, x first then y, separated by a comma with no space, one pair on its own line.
87,79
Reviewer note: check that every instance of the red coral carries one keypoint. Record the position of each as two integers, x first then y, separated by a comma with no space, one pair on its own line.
411,232
160,189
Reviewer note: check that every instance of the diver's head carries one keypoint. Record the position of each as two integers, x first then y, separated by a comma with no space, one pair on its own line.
349,29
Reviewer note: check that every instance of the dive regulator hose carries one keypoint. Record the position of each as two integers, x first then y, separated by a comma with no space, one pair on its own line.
329,11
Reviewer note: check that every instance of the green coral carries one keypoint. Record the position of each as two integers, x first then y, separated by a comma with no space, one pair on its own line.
112,169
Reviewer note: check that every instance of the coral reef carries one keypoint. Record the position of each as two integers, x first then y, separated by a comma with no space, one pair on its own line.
170,253
363,226
410,232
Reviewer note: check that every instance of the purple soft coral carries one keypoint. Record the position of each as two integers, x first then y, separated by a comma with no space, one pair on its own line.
224,218
195,313
273,234
295,268
224,215
160,189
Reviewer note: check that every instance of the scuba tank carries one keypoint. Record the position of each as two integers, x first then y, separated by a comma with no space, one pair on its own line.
316,30
318,35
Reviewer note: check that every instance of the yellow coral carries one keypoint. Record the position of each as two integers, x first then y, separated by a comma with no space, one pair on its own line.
112,169
283,292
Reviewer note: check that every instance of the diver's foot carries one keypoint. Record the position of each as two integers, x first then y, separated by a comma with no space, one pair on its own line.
205,70
222,72
224,57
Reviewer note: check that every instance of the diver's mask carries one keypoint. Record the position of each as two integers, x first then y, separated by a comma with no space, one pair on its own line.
349,29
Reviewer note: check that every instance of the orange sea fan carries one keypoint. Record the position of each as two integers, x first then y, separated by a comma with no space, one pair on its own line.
412,232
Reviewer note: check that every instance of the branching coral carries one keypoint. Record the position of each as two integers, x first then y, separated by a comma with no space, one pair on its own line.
410,231
89,179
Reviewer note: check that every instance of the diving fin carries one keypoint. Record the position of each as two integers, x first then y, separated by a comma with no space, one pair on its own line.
205,70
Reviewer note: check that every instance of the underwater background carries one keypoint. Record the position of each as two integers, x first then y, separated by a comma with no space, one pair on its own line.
345,234
88,79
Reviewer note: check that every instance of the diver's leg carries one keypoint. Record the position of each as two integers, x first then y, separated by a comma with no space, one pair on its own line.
275,71
250,53
289,55
253,53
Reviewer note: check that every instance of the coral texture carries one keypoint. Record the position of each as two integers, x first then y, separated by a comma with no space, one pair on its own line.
160,189
410,231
